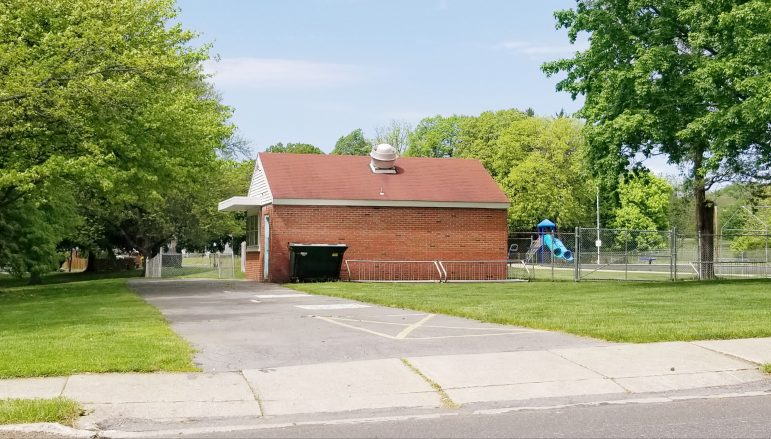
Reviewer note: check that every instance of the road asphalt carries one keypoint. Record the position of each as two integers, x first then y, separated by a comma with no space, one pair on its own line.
709,418
272,357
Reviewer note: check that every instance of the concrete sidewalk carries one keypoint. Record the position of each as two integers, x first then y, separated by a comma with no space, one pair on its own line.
427,382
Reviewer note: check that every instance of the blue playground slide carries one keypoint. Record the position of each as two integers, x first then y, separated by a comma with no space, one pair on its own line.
557,248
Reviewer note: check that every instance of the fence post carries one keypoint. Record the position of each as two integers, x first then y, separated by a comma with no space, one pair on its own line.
674,254
532,262
626,258
577,258
698,250
766,264
551,255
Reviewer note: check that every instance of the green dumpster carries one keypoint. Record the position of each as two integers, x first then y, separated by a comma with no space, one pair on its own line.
315,262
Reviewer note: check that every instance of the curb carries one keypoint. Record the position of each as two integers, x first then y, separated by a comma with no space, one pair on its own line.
48,428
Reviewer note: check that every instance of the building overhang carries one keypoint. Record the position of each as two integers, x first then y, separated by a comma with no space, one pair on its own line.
238,204
388,203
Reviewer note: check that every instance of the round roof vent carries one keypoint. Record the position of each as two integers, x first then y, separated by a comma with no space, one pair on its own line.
383,156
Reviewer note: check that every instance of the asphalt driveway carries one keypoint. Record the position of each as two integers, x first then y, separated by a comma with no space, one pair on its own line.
238,325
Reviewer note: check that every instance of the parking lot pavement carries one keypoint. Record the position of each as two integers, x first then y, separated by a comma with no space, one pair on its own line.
246,325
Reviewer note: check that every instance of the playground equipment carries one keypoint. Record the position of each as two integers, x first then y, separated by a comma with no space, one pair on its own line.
547,242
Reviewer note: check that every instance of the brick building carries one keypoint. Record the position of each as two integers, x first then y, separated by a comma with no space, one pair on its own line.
411,209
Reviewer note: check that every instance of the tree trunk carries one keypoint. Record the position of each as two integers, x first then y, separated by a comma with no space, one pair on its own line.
705,224
35,278
91,265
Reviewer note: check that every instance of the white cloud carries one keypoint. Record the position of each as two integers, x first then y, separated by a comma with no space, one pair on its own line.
536,49
278,72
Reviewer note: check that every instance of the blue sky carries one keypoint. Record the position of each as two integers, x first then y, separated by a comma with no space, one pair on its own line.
311,71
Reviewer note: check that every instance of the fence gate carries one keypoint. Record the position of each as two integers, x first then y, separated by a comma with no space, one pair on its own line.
192,265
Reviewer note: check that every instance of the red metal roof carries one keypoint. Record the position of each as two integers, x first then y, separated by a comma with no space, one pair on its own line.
339,177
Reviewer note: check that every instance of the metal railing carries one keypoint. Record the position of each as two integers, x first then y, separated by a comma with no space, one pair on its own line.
364,270
484,271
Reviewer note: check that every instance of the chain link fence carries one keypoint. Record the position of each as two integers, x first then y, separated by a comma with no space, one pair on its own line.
740,254
545,256
644,255
611,254
193,265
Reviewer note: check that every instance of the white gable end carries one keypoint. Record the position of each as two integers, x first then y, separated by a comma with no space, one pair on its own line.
258,195
258,188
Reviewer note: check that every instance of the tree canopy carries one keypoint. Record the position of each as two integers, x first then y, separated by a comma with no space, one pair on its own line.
294,148
435,137
689,79
644,201
354,143
538,162
396,134
107,124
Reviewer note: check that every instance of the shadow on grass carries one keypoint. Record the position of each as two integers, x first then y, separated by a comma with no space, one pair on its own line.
8,281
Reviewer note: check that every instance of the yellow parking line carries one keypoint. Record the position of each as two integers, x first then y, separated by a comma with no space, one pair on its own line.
355,327
406,331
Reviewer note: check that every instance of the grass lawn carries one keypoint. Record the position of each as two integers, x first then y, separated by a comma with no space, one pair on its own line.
615,311
26,411
78,323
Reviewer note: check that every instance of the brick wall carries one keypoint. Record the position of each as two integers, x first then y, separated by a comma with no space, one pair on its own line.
254,258
383,233
253,265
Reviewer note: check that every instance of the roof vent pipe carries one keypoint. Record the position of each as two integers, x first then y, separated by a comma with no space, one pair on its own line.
383,159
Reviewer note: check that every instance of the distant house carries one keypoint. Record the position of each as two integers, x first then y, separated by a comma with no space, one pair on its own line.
411,209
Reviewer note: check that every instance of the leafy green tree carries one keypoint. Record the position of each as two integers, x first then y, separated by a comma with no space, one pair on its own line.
690,79
32,228
353,143
539,162
436,136
681,209
205,227
492,138
541,166
644,203
396,134
294,148
109,97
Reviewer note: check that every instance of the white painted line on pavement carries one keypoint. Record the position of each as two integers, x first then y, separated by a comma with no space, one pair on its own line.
334,306
255,301
280,296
